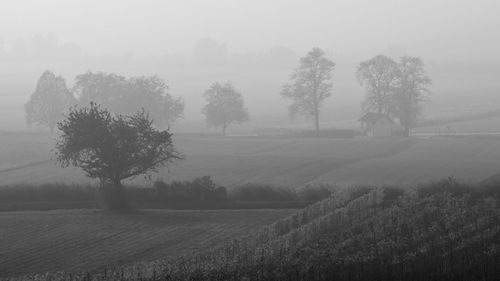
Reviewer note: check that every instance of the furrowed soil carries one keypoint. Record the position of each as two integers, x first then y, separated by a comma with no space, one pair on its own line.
37,242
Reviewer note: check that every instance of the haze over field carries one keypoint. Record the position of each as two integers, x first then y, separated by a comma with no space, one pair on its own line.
253,44
255,140
283,162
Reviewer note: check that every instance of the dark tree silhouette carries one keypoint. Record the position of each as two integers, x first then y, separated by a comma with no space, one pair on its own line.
310,85
127,96
49,101
113,148
379,75
411,91
224,106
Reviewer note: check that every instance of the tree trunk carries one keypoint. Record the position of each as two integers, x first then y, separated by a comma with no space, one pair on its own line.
408,116
407,130
113,196
316,119
405,122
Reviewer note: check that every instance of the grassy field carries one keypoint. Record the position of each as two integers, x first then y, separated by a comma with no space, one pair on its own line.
486,125
287,162
37,242
19,149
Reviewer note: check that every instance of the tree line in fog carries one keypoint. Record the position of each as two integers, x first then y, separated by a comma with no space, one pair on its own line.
397,89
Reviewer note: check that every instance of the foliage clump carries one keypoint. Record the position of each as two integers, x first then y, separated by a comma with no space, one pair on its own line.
225,106
48,102
112,148
128,95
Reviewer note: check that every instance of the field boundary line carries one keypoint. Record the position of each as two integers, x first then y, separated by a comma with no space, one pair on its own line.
24,166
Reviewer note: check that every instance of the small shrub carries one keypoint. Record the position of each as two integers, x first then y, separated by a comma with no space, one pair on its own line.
315,193
358,191
261,192
201,189
392,195
450,185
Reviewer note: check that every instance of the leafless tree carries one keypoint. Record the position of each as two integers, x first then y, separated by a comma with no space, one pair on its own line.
379,75
411,91
310,85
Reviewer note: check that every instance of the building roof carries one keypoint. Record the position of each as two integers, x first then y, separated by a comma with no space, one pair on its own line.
372,117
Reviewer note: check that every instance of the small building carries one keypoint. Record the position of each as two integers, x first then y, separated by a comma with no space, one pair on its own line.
376,125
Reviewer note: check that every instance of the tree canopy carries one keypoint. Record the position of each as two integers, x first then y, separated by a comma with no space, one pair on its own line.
48,102
411,91
113,147
396,89
379,75
127,96
225,106
310,85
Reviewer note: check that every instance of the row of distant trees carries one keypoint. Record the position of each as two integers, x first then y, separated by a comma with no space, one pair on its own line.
52,98
396,89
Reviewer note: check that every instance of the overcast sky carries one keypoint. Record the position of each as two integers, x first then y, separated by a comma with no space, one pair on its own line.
444,29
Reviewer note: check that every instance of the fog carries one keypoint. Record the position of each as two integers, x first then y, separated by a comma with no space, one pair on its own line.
255,45
249,140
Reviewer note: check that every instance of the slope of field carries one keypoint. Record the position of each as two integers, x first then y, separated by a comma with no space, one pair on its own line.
442,231
34,242
290,162
486,125
19,149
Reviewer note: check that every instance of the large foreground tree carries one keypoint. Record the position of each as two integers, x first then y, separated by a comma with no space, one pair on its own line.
112,148
225,106
48,102
310,85
128,95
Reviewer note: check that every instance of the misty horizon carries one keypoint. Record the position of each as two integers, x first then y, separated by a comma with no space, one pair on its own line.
188,45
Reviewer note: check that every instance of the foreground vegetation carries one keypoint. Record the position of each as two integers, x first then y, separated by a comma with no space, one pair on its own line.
200,193
442,231
75,240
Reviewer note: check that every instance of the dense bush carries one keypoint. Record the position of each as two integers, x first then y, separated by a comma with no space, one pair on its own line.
47,193
200,193
453,186
265,192
201,189
315,192
261,192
